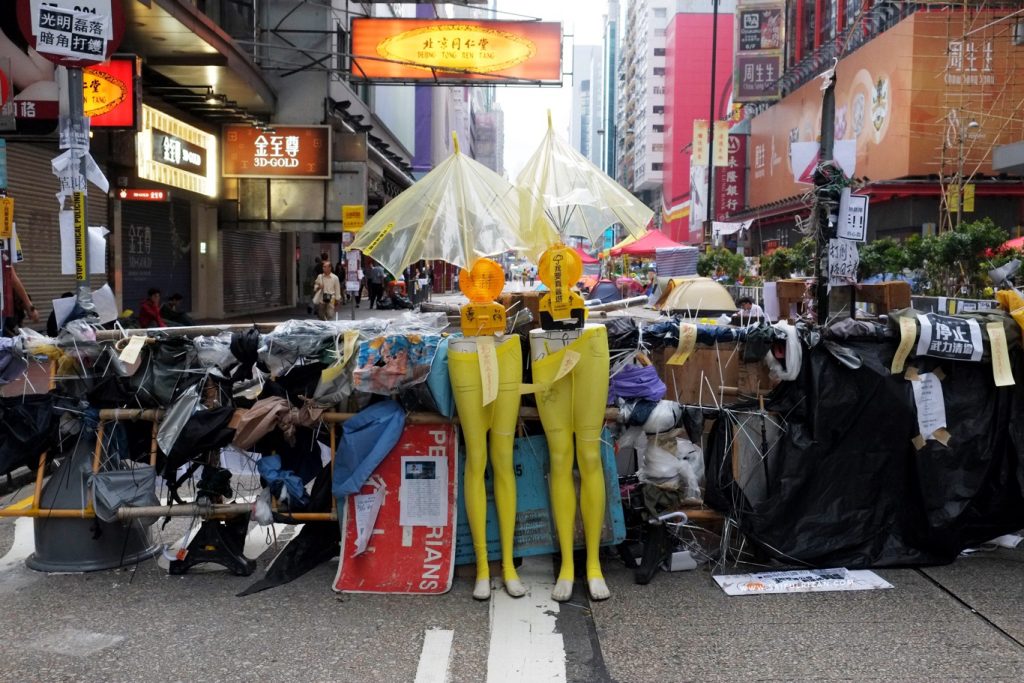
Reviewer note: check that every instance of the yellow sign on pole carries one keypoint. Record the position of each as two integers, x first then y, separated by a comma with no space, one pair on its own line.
81,272
353,217
969,198
6,217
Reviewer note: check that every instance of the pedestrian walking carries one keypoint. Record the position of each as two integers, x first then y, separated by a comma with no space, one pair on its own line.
375,284
326,292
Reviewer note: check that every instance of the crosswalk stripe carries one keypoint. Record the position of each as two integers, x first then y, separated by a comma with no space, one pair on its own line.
435,657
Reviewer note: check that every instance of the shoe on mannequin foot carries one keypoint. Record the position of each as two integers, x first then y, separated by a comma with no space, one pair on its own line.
562,590
598,589
482,589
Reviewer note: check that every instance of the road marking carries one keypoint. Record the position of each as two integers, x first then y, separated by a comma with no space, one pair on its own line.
23,545
525,645
435,656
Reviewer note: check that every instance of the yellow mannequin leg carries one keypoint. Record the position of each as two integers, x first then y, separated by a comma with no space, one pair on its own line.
590,377
503,427
474,418
555,407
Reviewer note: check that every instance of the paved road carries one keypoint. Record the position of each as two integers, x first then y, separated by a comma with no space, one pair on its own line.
960,622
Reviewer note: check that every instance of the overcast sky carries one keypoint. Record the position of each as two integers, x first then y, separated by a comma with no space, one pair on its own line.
525,107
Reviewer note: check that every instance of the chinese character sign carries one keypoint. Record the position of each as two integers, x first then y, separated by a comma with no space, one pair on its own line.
700,142
843,260
945,336
731,181
760,28
284,151
757,77
758,61
77,30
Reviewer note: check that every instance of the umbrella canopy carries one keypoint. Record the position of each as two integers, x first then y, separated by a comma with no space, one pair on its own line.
459,212
563,194
585,257
646,245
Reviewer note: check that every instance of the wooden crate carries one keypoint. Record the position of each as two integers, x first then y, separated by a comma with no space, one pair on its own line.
713,376
885,296
516,301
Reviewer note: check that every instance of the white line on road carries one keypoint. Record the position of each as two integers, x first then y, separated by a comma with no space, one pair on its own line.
435,656
23,545
524,643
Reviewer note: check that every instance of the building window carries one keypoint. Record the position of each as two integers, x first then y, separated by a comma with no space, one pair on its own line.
659,33
658,109
659,52
660,12
659,71
656,166
659,90
657,147
658,128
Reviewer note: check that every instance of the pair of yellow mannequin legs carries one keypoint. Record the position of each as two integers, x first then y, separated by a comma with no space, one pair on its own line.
571,406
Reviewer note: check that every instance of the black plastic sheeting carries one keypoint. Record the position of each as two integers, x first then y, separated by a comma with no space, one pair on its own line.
846,486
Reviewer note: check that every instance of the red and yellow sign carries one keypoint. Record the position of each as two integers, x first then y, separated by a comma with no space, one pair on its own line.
283,152
109,93
456,50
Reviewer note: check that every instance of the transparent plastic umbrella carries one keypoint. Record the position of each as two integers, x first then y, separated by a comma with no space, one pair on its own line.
459,212
561,188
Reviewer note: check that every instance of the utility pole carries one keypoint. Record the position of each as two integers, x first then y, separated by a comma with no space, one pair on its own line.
711,128
823,203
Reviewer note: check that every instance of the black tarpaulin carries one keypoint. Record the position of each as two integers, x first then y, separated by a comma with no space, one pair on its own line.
845,485
28,427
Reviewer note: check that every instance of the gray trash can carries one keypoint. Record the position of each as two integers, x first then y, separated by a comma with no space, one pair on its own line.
73,545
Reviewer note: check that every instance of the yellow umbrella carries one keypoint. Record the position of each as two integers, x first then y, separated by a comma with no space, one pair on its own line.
459,212
561,188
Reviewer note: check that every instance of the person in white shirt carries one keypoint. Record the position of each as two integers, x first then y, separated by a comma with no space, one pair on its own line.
749,310
326,292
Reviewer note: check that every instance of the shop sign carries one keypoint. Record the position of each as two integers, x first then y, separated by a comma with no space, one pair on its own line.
757,77
731,181
353,217
109,93
6,217
456,50
944,336
759,28
171,152
283,152
127,194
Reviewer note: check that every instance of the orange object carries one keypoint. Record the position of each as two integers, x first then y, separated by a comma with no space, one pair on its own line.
483,282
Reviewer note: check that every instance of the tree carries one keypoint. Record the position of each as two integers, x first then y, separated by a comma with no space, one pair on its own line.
721,261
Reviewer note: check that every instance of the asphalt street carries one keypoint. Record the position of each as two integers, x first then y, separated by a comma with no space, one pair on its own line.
959,622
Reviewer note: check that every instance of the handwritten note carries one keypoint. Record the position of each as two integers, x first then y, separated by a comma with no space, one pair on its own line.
931,406
1001,371
488,358
687,343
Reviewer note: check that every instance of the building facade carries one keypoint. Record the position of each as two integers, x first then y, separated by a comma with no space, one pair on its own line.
585,132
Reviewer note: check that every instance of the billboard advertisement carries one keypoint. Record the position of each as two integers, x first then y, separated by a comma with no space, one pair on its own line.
456,50
914,101
283,152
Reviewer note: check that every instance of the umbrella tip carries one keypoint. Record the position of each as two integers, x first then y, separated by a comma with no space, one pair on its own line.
455,141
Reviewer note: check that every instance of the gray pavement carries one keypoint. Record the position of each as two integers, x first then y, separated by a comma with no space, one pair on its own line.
961,622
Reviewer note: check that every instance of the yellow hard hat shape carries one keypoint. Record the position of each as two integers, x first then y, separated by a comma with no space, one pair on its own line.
483,282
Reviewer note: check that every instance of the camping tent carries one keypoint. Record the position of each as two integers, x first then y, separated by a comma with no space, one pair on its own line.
606,291
699,296
646,245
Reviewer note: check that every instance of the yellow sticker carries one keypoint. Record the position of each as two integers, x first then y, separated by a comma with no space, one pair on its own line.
81,273
488,358
130,355
569,361
6,217
687,343
351,339
377,240
908,334
1000,356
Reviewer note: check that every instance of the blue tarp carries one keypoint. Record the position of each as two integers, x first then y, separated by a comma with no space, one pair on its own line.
365,440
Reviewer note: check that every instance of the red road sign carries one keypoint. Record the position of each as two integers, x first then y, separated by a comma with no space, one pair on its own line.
67,36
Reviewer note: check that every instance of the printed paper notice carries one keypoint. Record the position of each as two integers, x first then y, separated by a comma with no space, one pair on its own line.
367,506
423,497
931,407
801,581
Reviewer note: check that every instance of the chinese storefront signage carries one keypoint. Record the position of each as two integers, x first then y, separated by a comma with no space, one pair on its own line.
759,42
700,142
456,50
353,217
283,152
72,33
109,93
970,62
174,153
140,195
731,181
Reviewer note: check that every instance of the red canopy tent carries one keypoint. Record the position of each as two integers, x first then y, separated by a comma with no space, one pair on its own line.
585,257
646,245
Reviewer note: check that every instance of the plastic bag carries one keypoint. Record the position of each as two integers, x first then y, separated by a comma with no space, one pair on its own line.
215,352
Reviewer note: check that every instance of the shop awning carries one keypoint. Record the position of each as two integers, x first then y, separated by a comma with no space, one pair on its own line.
186,47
